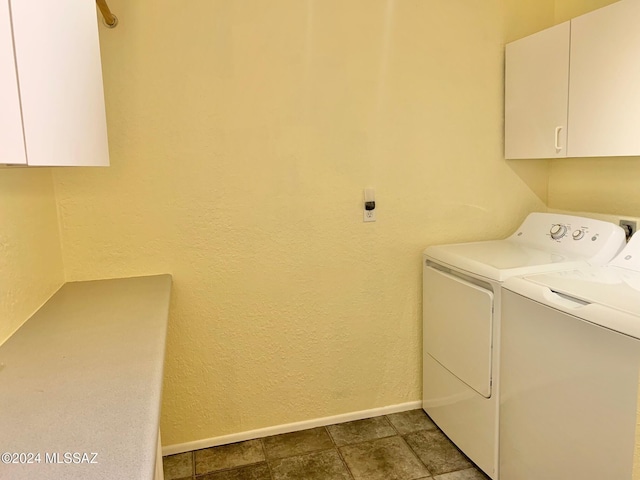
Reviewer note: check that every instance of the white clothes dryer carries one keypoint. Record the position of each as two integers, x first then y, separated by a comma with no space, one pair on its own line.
461,318
569,372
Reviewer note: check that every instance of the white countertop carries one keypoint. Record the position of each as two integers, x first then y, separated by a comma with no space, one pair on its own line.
84,375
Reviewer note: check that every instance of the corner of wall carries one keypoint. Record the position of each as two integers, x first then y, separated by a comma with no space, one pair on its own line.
30,255
59,223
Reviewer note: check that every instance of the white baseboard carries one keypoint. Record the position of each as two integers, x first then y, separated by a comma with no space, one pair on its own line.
288,428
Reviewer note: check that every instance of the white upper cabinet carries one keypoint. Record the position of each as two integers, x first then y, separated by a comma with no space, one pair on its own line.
11,137
574,90
604,104
536,94
59,74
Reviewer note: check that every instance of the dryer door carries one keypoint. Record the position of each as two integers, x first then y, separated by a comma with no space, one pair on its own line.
458,323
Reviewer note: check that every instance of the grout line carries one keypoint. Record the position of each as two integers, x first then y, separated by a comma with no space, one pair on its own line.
366,441
326,429
361,441
417,457
392,425
337,449
344,462
318,450
266,459
415,454
221,470
315,450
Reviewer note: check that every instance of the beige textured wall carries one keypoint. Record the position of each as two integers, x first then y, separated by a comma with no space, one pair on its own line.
568,9
30,257
525,17
602,185
242,134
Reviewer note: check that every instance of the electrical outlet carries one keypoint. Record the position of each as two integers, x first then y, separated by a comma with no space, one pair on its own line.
370,215
369,205
629,227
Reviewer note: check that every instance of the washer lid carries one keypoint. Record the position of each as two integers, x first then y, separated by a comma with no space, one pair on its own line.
610,286
500,259
616,285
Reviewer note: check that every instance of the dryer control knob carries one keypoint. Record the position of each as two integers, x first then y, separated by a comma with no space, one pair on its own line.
558,231
578,234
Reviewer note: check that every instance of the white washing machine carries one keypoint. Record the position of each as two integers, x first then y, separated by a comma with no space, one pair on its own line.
461,318
569,372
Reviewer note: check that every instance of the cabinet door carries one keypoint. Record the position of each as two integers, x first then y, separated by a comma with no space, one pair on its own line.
60,76
11,137
604,106
536,94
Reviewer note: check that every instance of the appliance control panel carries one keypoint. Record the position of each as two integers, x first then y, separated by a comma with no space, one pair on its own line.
559,231
571,235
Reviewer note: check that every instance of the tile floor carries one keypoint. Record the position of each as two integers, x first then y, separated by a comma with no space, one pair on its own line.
401,446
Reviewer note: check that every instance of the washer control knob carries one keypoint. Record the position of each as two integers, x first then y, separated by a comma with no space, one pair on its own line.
558,231
578,234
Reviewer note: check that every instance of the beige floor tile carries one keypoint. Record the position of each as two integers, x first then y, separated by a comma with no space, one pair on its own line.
297,443
228,456
437,452
469,474
402,446
383,459
361,431
325,465
178,466
259,471
411,421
